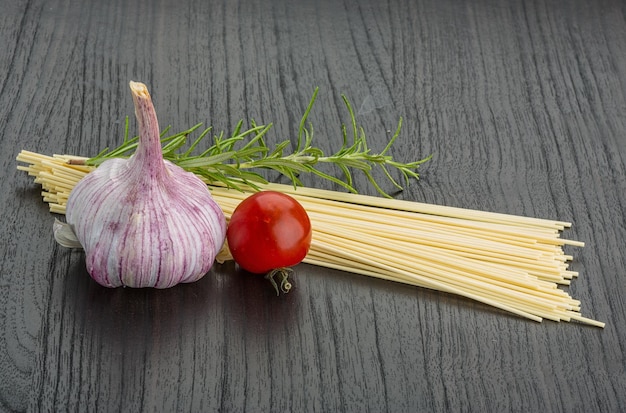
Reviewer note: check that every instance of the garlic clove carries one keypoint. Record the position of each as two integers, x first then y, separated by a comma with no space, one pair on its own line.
64,235
143,221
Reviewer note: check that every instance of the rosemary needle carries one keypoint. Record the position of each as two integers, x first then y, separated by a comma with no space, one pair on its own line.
232,160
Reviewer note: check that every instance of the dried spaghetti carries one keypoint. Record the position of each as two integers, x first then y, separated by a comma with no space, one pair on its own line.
510,262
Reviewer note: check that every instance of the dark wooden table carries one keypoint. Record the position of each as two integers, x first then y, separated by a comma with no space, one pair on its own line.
522,104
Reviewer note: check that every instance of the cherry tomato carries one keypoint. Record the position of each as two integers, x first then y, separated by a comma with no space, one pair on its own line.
269,231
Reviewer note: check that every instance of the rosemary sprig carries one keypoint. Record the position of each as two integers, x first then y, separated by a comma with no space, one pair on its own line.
232,160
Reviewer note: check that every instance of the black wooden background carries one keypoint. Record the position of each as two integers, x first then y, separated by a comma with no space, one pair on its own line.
522,104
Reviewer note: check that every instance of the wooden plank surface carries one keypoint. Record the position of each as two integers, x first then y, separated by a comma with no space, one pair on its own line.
522,105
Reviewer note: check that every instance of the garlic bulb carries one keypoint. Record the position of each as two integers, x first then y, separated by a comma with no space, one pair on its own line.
143,221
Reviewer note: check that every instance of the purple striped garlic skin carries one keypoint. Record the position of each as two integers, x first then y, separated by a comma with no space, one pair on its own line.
143,221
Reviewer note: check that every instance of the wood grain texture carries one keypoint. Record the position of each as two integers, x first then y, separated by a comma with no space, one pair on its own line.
521,103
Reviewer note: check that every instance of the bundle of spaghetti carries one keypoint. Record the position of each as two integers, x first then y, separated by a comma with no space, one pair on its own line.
506,261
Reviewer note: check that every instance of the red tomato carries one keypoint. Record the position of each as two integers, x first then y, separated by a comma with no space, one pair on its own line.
267,231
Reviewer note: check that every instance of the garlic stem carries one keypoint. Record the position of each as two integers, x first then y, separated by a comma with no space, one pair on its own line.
148,156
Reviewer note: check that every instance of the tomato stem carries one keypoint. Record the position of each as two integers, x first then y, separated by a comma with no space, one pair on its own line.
285,284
